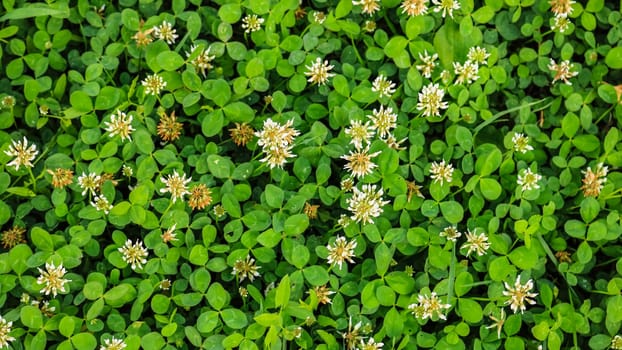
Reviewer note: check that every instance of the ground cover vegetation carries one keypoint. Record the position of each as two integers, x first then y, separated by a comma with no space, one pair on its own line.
276,174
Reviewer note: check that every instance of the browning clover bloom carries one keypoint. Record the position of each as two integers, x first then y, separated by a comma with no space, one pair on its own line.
113,344
241,134
429,307
476,243
153,84
415,7
384,120
519,295
341,251
5,329
562,71
120,124
310,210
176,185
359,162
446,7
521,143
594,181
61,177
245,269
528,180
200,197
202,62
429,62
24,154
431,100
451,233
13,237
252,23
498,322
134,254
360,133
169,235
143,37
53,279
165,32
323,294
101,203
383,86
369,6
467,72
370,345
319,72
413,190
561,8
367,204
352,336
89,182
440,172
169,129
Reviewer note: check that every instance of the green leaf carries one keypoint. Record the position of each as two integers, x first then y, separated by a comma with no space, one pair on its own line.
484,14
315,275
120,295
41,239
489,158
395,46
217,296
217,91
274,196
589,209
239,112
586,143
452,211
31,317
393,323
234,318
170,60
81,102
283,292
220,167
491,188
463,283
207,321
198,255
296,224
153,341
470,310
383,256
66,326
614,58
524,258
257,220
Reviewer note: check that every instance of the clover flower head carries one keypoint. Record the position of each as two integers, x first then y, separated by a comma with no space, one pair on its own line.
366,204
153,84
23,152
246,269
563,71
478,55
52,279
252,23
467,72
594,180
519,295
528,180
441,172
429,62
360,133
134,254
359,162
414,7
319,72
446,7
476,243
369,6
120,124
561,8
89,182
176,185
165,32
429,306
101,203
341,251
113,344
521,143
5,329
431,100
383,86
323,294
384,119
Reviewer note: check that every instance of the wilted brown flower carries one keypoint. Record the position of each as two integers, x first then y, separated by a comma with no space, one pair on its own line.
61,177
143,37
200,197
13,237
310,210
169,128
241,134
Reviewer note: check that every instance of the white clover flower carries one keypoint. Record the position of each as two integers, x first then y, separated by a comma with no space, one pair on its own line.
429,307
429,62
245,269
360,163
5,329
113,344
478,55
446,7
521,143
431,100
319,71
24,154
383,86
360,133
120,124
467,72
176,185
366,204
252,23
384,120
341,251
101,203
369,6
561,24
202,62
52,278
528,180
165,32
440,172
134,254
476,243
89,182
451,233
519,295
414,7
153,84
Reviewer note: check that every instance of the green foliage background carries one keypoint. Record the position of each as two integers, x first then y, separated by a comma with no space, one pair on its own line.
71,65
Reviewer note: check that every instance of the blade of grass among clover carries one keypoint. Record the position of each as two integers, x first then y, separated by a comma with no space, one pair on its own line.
507,111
